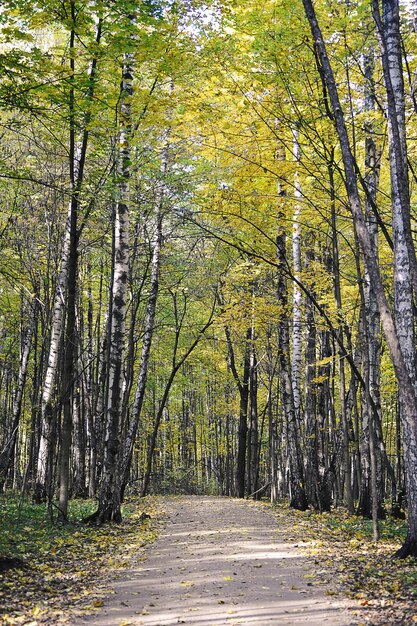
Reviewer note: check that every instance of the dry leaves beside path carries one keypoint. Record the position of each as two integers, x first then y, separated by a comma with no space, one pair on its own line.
67,569
222,561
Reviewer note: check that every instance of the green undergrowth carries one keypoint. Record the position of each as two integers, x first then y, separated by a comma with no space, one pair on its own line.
384,588
61,570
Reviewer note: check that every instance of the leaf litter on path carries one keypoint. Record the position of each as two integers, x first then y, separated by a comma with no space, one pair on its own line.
237,577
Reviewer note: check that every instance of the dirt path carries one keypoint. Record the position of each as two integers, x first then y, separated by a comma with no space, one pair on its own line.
221,561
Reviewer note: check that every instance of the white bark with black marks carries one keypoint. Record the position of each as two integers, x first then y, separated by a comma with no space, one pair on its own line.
110,491
297,321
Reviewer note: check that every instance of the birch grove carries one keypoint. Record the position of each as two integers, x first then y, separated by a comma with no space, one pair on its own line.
208,274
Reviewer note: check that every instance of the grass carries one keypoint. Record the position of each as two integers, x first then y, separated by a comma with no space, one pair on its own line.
66,565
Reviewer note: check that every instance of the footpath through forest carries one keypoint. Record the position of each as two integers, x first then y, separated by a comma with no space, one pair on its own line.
222,561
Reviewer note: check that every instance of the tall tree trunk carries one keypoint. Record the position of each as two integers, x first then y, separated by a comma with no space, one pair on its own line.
372,321
89,393
405,265
272,435
253,455
99,411
347,468
298,499
297,322
109,507
243,388
70,339
243,418
317,474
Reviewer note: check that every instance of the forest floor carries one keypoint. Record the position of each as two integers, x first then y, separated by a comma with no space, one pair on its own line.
216,561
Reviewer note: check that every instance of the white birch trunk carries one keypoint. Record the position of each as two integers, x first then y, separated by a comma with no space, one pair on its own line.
42,487
6,453
372,340
404,254
110,494
297,494
297,326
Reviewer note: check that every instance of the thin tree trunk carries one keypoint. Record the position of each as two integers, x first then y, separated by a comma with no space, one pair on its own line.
342,378
89,392
371,340
6,453
243,388
253,456
297,325
130,438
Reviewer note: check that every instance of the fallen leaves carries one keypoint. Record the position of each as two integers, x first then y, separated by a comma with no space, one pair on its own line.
342,548
66,566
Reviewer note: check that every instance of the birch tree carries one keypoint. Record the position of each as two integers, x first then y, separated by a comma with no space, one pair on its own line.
6,453
405,381
130,437
66,287
110,489
297,331
372,342
298,499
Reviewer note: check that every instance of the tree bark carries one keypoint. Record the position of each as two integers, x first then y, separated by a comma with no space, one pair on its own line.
243,388
297,322
347,471
109,506
298,499
372,340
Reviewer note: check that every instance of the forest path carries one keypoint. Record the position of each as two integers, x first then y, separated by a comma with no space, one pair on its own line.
221,561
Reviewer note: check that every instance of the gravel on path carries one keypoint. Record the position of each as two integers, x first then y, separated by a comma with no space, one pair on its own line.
221,561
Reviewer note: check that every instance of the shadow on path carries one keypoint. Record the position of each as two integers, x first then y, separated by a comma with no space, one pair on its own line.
221,561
